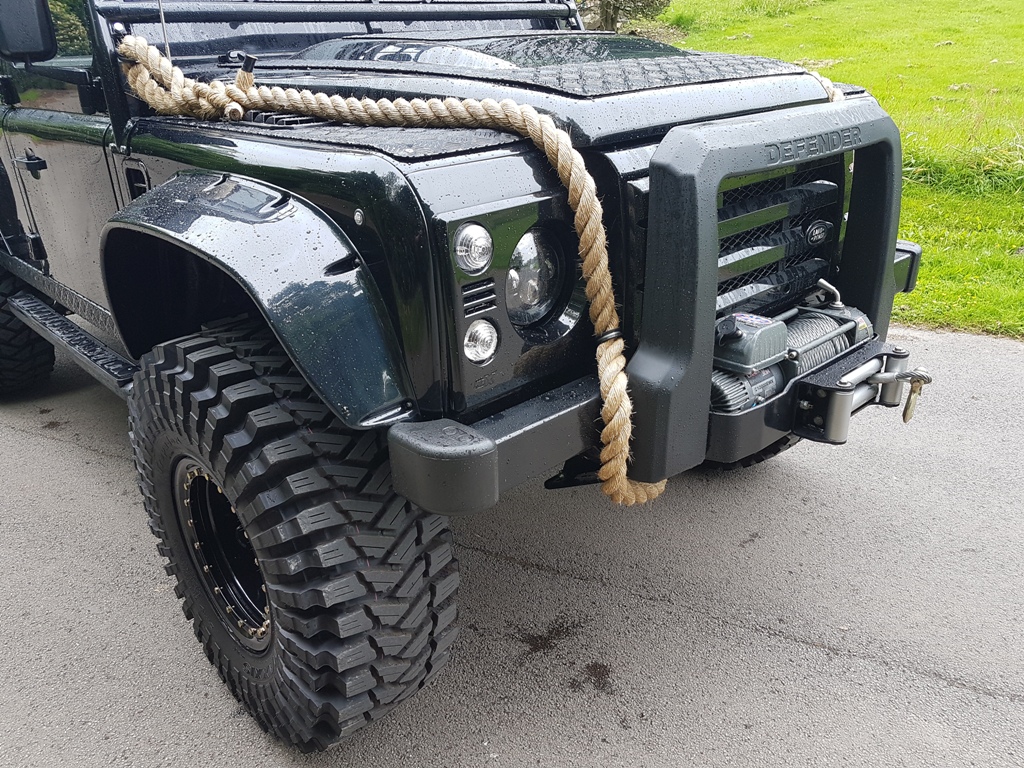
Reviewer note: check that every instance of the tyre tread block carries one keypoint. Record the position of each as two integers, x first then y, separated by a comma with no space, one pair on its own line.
331,653
325,555
319,518
445,617
26,358
445,588
437,557
356,681
323,594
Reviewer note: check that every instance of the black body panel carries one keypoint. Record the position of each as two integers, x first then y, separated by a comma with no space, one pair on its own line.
303,274
392,242
589,121
579,65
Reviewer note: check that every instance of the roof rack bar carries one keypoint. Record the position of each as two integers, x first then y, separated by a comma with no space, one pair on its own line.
352,10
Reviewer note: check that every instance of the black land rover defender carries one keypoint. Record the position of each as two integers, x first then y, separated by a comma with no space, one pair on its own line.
331,337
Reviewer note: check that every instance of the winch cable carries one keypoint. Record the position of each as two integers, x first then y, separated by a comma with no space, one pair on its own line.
807,329
165,88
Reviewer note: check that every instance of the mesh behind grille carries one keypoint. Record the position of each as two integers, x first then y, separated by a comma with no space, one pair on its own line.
753,189
777,231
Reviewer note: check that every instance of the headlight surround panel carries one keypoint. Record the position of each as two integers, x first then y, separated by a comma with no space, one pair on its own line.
553,340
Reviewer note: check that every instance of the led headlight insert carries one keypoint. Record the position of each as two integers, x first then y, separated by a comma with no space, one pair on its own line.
473,248
481,342
534,280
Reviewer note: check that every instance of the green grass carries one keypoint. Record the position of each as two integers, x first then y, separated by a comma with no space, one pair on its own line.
972,276
950,75
707,14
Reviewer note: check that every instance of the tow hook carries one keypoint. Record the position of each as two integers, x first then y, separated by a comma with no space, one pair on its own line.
917,378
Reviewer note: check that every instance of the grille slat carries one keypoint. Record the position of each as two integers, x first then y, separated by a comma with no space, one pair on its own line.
770,286
280,120
765,209
767,249
479,297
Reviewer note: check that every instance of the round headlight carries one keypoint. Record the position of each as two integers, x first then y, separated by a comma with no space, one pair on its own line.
481,341
534,279
473,248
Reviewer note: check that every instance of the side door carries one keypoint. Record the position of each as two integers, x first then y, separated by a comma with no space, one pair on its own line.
60,159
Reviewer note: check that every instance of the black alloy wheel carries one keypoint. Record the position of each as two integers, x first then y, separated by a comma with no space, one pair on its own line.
221,552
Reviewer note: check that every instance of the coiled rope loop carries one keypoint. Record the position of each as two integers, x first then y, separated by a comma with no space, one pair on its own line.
163,87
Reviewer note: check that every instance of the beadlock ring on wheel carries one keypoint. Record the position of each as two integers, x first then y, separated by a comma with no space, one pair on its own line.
222,555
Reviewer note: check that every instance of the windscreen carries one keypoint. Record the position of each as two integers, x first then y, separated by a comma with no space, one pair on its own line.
198,28
216,38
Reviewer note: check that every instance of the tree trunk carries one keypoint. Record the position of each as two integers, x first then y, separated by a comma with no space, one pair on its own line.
609,19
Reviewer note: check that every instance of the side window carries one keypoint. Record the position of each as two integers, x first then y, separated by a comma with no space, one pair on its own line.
73,50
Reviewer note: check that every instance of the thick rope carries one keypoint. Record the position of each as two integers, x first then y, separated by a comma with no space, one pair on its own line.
834,94
166,89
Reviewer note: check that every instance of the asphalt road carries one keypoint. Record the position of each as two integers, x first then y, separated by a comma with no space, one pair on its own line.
861,605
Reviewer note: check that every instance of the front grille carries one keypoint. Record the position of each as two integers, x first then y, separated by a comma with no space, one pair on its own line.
280,119
778,233
479,297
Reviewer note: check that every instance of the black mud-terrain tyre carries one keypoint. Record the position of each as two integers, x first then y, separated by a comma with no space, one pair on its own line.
26,358
768,452
322,598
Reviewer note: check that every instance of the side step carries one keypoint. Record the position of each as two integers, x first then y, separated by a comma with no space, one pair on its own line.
108,367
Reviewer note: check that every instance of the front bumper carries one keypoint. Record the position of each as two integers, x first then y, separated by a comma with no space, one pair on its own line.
455,469
452,468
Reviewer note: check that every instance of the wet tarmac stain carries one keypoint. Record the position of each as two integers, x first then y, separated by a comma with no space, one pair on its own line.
596,675
626,723
599,675
540,642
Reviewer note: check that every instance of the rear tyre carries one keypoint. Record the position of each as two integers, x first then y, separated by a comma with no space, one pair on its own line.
26,358
322,598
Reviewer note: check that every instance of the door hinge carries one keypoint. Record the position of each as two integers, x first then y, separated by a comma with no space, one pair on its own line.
31,163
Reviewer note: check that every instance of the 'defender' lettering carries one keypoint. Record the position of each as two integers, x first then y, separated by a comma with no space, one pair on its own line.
812,146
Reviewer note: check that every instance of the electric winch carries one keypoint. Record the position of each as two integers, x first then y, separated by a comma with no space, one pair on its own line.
756,356
813,366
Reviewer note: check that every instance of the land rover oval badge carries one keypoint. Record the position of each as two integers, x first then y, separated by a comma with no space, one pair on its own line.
817,232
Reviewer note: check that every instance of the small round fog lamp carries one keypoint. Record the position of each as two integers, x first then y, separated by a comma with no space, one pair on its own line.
473,248
481,342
